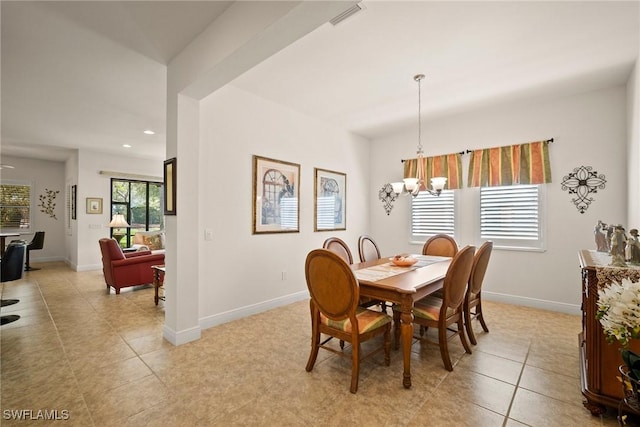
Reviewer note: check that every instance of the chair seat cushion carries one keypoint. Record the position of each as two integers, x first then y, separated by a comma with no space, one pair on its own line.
427,308
368,320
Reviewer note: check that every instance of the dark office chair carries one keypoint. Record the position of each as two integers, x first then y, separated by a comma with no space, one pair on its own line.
36,244
11,269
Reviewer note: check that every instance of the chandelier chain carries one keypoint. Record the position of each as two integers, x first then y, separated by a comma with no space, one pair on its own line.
419,115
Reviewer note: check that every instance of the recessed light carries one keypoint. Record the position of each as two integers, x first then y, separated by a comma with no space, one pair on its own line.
2,166
126,145
149,132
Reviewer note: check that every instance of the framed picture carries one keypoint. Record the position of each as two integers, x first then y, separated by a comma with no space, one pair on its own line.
170,186
276,192
94,205
330,201
74,191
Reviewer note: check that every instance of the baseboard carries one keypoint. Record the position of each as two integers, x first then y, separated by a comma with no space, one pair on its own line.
87,267
239,313
532,302
181,337
34,260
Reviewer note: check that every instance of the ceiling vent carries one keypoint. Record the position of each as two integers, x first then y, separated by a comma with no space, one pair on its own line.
346,14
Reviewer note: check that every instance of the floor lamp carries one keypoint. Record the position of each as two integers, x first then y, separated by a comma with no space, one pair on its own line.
117,223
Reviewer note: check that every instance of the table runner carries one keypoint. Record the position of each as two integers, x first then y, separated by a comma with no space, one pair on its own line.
606,273
382,271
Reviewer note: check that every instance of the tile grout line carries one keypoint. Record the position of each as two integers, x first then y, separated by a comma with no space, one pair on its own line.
515,390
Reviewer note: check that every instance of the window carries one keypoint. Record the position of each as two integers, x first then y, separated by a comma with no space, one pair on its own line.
432,215
15,205
512,216
141,204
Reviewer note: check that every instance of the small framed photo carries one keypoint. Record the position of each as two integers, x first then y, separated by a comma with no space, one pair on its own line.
276,192
330,201
170,186
94,205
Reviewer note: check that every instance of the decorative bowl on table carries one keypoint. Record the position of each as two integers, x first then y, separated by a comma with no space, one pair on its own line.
403,260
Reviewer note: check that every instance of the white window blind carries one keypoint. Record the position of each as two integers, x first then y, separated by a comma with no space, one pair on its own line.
15,206
432,215
511,216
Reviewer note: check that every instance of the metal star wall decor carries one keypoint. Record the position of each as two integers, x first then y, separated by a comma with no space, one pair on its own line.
387,196
582,182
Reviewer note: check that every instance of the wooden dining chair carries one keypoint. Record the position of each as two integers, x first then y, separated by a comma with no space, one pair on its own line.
440,245
367,249
335,311
441,313
473,296
339,247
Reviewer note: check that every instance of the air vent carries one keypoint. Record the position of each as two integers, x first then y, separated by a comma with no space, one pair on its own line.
347,13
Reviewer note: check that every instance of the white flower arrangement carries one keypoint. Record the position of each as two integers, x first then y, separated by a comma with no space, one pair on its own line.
619,311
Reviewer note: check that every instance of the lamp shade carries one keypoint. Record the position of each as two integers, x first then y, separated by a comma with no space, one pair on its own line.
118,221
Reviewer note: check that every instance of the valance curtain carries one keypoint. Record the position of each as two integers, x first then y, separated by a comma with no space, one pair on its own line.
510,165
447,165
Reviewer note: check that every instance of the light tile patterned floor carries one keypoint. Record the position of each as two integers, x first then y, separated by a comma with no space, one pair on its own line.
101,358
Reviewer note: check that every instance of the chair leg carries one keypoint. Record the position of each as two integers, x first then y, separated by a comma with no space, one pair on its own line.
444,348
481,317
463,338
467,325
387,346
355,366
315,346
27,266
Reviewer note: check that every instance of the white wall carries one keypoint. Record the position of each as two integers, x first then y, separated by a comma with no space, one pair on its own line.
237,269
633,146
93,227
43,174
589,129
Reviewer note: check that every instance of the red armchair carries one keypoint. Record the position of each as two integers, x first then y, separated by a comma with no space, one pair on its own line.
123,270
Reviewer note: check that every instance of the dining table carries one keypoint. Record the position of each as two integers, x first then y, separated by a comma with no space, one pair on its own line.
381,279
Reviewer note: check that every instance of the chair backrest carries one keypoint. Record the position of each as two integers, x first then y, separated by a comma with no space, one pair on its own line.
37,242
440,245
367,249
111,251
455,282
332,285
338,247
480,263
12,262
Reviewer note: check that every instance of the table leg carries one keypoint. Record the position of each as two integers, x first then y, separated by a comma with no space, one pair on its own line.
2,243
406,320
156,284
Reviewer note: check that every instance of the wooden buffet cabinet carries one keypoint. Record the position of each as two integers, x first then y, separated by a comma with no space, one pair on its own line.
599,359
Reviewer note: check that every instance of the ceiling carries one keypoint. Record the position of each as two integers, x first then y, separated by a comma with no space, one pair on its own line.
93,74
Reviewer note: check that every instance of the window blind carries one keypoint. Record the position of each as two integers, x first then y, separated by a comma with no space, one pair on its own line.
510,213
432,215
15,206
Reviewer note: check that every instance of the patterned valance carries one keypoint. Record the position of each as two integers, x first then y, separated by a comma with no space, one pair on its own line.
513,164
447,165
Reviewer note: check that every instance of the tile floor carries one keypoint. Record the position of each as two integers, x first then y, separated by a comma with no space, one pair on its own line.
99,359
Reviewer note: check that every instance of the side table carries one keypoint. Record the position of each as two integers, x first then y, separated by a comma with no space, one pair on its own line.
158,280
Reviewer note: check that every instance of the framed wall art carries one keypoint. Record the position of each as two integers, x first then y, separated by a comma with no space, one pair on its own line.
170,186
94,205
74,191
330,201
276,192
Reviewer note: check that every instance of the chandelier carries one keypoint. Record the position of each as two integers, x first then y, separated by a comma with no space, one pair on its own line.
416,185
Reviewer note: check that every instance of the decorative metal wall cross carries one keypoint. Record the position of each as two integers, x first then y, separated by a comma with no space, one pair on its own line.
387,196
582,182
